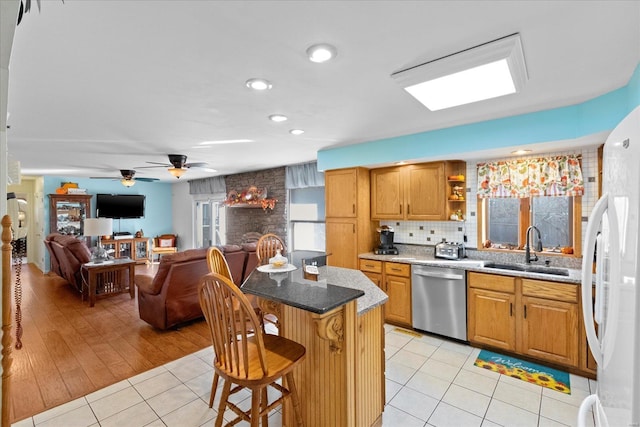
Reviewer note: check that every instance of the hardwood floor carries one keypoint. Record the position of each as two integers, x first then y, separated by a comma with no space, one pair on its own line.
70,350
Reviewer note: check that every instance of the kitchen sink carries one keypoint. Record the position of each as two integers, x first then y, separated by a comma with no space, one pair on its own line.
529,268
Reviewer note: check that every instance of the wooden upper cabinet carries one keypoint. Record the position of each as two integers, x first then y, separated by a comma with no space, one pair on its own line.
425,192
414,192
387,193
341,193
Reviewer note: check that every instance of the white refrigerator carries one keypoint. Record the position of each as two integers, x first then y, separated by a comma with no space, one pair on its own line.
613,224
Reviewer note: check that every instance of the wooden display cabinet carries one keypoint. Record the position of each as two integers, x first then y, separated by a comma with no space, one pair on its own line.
67,213
136,248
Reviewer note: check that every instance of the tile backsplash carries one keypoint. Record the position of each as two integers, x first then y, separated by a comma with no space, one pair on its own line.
432,232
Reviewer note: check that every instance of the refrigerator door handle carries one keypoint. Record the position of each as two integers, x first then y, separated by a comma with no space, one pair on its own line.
591,402
587,276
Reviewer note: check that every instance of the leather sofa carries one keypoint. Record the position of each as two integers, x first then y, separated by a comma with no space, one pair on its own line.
67,254
170,297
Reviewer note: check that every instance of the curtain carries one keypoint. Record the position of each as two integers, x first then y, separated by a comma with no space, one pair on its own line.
303,176
547,176
214,185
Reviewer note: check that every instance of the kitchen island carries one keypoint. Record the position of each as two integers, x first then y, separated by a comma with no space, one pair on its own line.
339,320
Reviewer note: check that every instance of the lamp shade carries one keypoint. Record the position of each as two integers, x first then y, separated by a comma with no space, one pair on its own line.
177,172
98,226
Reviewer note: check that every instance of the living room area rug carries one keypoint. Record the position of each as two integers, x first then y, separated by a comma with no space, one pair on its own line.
525,371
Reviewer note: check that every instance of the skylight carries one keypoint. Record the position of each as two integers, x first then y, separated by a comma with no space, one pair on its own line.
483,72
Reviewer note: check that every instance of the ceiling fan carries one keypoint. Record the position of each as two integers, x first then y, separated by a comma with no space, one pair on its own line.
127,178
177,165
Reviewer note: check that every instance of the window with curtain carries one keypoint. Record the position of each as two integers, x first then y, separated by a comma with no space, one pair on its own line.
515,194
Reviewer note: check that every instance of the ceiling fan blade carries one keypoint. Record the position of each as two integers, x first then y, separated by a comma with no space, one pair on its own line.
146,179
104,177
157,166
196,165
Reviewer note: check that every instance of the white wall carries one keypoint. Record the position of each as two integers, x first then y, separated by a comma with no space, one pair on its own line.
182,214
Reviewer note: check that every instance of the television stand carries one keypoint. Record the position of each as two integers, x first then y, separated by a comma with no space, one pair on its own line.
136,248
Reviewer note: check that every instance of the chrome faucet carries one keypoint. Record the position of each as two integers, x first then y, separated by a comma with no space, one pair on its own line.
527,247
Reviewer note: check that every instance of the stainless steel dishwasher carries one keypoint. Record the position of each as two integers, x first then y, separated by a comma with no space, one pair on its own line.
439,300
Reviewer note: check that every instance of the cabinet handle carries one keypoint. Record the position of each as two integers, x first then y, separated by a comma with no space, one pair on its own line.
510,309
354,228
353,208
408,209
525,311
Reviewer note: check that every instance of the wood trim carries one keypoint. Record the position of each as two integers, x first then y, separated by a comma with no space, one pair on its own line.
6,320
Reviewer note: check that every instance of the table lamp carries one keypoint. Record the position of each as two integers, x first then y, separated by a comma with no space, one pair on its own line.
98,227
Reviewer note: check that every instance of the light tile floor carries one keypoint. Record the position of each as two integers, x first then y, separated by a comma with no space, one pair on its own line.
429,382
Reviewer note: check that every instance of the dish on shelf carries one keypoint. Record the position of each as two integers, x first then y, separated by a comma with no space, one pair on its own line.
268,268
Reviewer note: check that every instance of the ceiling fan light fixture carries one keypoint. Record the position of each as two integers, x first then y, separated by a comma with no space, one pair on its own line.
127,182
177,172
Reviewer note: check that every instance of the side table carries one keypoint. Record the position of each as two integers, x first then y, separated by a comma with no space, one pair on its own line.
108,278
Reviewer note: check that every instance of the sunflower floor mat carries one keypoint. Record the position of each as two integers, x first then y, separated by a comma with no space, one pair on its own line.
525,371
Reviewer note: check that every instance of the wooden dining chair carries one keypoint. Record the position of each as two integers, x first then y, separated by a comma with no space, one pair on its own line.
217,263
245,357
267,247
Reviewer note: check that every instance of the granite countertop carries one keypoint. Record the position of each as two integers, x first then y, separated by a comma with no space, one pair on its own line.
470,264
335,287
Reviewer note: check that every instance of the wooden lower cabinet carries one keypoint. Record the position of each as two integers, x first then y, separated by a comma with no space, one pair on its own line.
490,318
535,318
395,280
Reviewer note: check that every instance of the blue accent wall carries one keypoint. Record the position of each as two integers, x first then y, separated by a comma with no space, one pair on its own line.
158,217
602,113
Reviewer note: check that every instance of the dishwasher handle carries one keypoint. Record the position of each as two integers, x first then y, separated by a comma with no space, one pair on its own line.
448,276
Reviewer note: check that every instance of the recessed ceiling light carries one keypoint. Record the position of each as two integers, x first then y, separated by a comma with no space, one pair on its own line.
278,118
296,131
483,72
520,152
321,52
259,84
225,141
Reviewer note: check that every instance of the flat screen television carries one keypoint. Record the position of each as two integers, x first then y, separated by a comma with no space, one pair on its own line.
120,205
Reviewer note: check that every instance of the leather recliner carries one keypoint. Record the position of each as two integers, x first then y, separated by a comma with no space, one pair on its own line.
171,296
67,254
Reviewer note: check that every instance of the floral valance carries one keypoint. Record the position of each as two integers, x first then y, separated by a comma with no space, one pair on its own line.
548,176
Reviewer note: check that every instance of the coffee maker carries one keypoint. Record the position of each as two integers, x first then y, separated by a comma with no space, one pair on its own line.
386,242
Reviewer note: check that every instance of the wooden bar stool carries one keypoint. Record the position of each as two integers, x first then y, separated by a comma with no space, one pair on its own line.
245,357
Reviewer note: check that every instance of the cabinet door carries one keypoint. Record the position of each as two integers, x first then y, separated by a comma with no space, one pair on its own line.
425,192
342,243
398,308
491,318
67,213
550,330
376,278
142,250
341,193
387,193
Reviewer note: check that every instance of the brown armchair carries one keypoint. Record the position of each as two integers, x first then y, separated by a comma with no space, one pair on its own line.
171,296
164,244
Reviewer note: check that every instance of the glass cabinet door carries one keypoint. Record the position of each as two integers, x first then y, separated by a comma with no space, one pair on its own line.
67,213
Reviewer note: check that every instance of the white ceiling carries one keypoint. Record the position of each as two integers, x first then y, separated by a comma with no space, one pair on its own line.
97,86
